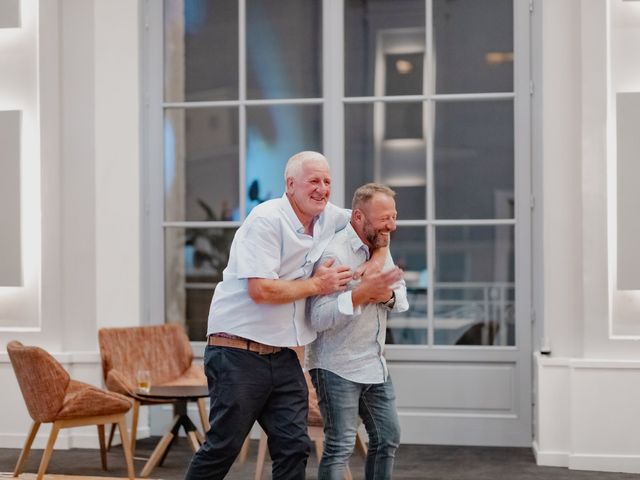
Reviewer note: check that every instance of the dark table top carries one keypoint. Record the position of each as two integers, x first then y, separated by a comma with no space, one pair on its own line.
177,392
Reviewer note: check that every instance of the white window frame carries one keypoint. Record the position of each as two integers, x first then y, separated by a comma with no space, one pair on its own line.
333,102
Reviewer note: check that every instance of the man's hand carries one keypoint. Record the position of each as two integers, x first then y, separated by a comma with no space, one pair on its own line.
330,279
374,265
376,287
327,279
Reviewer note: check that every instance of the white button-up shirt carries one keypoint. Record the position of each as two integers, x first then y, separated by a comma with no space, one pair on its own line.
271,244
350,341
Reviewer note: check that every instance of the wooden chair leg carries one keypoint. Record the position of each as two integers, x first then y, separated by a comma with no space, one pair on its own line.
244,451
202,410
46,456
128,454
112,431
319,447
103,447
262,454
134,425
193,440
159,452
361,444
26,449
347,474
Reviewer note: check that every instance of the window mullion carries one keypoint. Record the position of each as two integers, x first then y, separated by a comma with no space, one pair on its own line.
429,123
242,114
333,86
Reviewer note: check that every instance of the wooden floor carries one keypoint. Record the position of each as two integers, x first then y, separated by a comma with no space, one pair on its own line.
413,462
53,476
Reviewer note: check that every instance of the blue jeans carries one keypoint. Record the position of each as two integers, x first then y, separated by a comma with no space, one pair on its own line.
341,402
244,387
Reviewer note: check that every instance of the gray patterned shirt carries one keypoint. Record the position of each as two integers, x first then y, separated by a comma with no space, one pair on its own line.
350,341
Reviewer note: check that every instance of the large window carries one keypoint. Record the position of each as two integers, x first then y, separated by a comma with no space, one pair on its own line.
419,95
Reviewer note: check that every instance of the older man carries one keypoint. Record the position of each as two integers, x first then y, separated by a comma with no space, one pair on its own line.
257,311
346,361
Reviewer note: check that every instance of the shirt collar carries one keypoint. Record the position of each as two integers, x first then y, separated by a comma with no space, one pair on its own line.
355,241
293,218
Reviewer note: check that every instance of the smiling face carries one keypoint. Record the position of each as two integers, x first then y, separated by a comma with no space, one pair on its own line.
375,220
309,189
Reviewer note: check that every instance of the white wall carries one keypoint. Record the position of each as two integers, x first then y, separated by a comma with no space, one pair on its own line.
20,306
625,77
588,388
75,74
74,71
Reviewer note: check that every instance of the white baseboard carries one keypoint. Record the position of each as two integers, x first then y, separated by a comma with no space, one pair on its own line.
606,463
80,438
549,458
597,463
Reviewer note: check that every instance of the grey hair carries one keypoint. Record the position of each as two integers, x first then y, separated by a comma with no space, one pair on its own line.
294,164
366,192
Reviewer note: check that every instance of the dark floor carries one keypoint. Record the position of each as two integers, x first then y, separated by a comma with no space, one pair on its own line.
415,462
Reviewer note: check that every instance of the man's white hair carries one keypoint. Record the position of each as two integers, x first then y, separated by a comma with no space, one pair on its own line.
294,164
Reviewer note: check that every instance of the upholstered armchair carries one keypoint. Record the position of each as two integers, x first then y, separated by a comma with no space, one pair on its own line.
163,350
52,397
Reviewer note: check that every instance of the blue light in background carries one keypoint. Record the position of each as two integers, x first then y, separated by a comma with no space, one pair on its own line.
195,13
169,156
266,157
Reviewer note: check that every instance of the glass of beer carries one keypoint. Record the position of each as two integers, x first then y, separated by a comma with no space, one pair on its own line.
143,378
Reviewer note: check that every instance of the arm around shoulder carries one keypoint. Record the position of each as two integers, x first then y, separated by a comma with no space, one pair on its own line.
277,292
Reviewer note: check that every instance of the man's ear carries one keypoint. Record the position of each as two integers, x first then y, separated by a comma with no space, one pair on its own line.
289,184
358,215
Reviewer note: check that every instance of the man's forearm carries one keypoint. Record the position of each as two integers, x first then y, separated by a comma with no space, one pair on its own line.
360,296
379,256
277,292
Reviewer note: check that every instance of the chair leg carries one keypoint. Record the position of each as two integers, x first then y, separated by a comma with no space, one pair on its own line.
319,447
347,473
244,451
134,425
46,456
202,410
26,449
128,454
361,444
262,454
112,431
103,447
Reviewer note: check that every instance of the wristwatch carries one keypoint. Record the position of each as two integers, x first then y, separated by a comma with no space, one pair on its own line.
391,302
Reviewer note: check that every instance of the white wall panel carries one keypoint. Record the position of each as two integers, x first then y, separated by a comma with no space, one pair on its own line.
10,14
628,190
588,411
10,225
458,387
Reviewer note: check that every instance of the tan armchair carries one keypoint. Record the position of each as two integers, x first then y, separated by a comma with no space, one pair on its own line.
51,396
163,350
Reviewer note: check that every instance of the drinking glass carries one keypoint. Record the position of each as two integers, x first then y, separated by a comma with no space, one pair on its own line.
143,378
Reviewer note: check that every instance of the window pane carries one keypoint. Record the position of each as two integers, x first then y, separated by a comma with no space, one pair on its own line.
384,47
474,160
284,48
474,300
194,261
473,45
193,34
409,251
201,164
274,133
383,144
